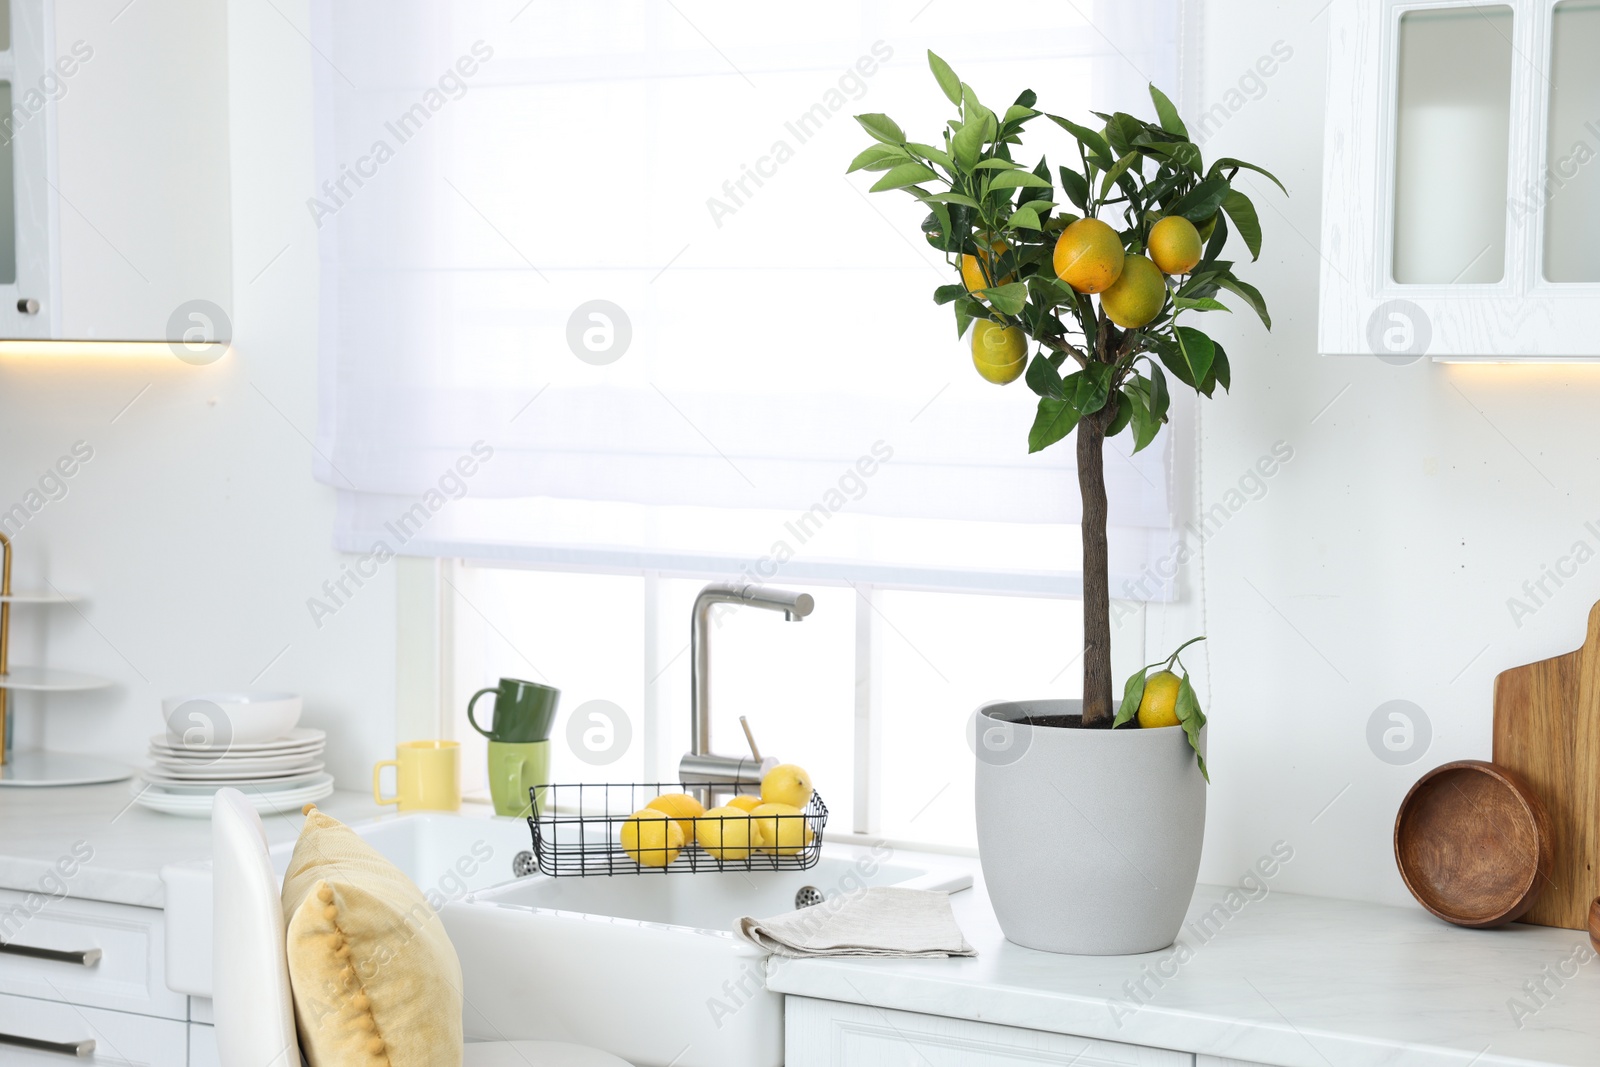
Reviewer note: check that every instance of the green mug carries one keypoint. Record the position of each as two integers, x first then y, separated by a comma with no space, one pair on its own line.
513,770
523,711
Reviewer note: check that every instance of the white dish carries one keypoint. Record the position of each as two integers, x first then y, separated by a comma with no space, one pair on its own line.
269,785
242,767
220,778
229,719
266,802
291,741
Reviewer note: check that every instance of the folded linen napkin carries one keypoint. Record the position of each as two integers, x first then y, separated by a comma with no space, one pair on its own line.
883,922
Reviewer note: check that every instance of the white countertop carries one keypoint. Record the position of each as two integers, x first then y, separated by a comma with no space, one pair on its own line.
130,844
1289,980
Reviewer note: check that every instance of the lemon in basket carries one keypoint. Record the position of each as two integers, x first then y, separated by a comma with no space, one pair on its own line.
651,838
724,833
782,829
745,802
682,808
786,784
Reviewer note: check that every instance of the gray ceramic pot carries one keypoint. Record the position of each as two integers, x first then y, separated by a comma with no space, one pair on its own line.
1089,839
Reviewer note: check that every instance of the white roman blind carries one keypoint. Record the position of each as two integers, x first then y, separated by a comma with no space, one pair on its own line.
597,291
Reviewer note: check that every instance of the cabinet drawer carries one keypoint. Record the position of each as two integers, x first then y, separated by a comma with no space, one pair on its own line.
119,1037
203,1046
129,974
822,1033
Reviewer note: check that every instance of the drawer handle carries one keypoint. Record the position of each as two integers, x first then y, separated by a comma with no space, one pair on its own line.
66,1048
86,957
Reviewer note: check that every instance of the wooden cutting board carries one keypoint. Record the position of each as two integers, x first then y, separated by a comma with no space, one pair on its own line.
1547,728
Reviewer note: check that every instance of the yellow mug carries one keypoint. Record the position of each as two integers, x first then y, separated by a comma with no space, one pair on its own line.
427,776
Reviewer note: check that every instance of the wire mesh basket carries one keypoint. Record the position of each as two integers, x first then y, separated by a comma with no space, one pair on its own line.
578,830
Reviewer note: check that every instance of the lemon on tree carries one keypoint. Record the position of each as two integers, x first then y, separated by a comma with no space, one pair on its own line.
651,838
1159,705
1088,256
1136,297
1174,245
999,352
972,273
1164,699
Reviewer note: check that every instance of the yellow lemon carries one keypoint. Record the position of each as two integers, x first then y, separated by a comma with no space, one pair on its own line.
786,784
745,802
972,273
1136,297
1175,245
1088,256
999,352
682,808
724,833
780,828
651,839
1159,705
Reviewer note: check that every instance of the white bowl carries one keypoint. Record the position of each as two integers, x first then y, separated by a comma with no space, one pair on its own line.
207,722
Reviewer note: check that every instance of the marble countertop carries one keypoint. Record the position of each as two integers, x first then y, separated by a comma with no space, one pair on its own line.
127,845
1288,980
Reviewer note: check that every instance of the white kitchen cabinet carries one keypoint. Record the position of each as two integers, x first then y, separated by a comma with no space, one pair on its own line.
203,1046
825,1033
50,1033
1461,204
1202,1060
114,200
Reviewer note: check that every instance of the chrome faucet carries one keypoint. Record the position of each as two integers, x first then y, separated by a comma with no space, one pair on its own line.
700,764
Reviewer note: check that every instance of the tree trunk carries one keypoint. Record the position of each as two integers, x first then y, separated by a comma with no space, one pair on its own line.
1097,705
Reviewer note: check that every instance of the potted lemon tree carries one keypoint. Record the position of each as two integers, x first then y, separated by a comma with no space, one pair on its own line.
1090,811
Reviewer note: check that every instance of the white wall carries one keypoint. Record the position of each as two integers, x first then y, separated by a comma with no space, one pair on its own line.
1379,563
196,531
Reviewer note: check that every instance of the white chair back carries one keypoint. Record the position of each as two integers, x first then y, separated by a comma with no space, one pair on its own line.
249,969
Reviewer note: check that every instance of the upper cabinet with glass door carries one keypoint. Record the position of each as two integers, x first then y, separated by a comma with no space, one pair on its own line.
114,201
1461,197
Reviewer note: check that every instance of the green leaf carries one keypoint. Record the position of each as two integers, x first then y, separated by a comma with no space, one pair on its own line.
1167,113
1124,415
1007,298
1251,294
1118,169
1047,291
1160,399
950,198
1218,238
1181,153
1018,179
1173,359
1043,378
1132,693
1197,350
1076,187
1227,163
882,128
1243,214
946,78
997,164
1221,374
1191,718
1092,142
1024,218
964,316
1091,387
1122,130
1145,424
903,175
1204,303
878,157
946,293
1019,114
927,151
1054,420
967,144
1201,202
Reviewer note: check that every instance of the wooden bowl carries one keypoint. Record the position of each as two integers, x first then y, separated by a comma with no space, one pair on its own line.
1472,842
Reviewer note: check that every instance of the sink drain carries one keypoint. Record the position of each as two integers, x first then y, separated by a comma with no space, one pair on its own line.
808,897
522,864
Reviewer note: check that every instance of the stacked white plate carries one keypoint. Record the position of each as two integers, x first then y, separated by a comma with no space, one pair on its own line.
274,776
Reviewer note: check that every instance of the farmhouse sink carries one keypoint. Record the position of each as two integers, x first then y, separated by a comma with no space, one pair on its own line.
646,966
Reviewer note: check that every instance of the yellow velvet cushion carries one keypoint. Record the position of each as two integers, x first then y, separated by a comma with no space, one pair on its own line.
375,979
